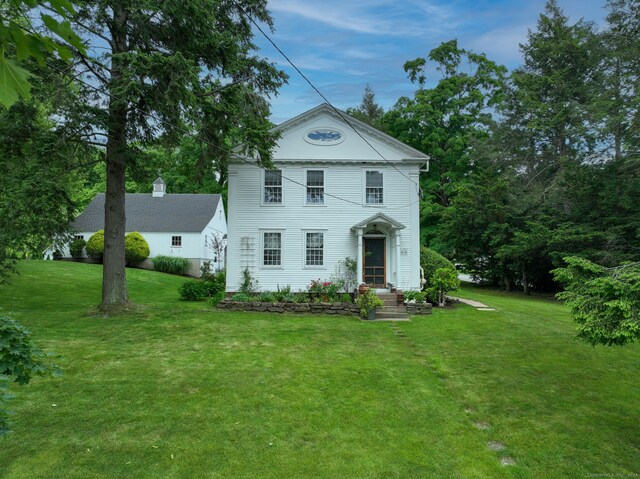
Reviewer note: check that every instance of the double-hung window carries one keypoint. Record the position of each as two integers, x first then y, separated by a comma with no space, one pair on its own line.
374,188
315,187
314,248
271,248
272,187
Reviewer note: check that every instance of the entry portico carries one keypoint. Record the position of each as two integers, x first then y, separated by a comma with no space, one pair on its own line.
375,252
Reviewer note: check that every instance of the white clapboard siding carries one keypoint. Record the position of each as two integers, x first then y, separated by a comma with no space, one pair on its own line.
344,165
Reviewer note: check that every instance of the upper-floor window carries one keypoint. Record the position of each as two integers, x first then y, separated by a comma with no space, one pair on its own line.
374,188
271,248
315,187
176,241
314,249
272,187
79,237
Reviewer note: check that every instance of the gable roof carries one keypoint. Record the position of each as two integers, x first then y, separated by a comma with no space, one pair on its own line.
350,124
185,213
380,218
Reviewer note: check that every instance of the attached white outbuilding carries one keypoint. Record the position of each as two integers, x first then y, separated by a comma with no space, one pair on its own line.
340,189
181,225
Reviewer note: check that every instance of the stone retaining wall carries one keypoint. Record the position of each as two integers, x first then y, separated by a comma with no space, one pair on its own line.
350,309
418,308
317,308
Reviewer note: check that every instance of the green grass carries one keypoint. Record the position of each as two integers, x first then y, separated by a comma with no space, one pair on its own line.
178,390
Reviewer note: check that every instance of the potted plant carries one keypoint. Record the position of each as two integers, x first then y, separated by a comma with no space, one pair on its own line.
368,303
363,288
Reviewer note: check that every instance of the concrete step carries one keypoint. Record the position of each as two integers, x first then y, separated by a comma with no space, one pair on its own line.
390,302
384,296
398,308
391,315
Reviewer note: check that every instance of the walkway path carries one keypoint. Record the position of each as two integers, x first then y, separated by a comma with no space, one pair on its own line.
476,304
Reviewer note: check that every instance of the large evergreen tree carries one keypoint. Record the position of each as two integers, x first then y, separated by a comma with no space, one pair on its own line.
162,66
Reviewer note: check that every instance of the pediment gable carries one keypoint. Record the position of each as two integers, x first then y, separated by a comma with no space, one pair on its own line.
322,134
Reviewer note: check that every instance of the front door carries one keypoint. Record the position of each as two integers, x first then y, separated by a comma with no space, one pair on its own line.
374,262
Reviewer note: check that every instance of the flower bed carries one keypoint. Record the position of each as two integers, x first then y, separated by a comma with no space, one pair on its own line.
277,307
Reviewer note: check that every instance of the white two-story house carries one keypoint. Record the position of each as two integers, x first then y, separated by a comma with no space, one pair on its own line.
335,193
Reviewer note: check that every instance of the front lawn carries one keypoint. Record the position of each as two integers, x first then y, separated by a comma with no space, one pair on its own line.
178,390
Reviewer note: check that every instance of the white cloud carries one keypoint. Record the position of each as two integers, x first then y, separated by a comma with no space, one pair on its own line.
383,17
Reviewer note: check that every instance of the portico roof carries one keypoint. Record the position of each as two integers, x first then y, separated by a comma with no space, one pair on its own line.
379,218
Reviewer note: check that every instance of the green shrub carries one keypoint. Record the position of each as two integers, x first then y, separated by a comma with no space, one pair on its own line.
431,261
283,294
20,361
216,298
301,298
346,298
136,249
193,290
249,284
214,283
442,281
266,297
95,245
171,264
242,298
76,247
417,296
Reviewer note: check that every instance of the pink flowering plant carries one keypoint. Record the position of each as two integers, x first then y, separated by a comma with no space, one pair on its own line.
324,291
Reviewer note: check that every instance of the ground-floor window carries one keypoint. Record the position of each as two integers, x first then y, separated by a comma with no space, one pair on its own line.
272,248
314,249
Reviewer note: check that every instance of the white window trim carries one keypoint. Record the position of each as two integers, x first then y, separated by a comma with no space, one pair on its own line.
384,187
262,202
304,195
176,236
261,251
324,249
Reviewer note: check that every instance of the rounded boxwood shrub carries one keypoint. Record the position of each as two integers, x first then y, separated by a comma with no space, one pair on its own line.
432,261
95,245
76,247
136,249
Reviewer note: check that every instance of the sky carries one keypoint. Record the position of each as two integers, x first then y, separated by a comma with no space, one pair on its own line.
341,45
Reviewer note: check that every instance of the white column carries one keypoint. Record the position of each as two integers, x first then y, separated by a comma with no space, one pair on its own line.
397,235
359,270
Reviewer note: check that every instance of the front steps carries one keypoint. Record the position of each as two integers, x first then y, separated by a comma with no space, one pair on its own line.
391,311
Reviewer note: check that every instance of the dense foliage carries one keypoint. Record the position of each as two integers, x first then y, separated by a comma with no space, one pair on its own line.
20,361
95,245
605,302
431,261
136,248
76,248
535,165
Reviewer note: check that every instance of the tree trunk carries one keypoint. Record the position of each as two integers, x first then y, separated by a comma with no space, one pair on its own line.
525,282
507,283
114,282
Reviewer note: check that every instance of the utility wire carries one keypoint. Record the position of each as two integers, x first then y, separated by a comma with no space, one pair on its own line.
224,150
340,114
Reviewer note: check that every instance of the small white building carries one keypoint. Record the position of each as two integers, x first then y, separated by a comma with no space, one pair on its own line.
336,193
184,225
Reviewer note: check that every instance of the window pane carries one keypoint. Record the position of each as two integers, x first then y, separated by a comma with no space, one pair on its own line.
273,194
273,178
272,240
315,249
374,179
272,252
315,196
315,178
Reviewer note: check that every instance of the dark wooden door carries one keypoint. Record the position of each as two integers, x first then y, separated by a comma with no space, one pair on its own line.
374,262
